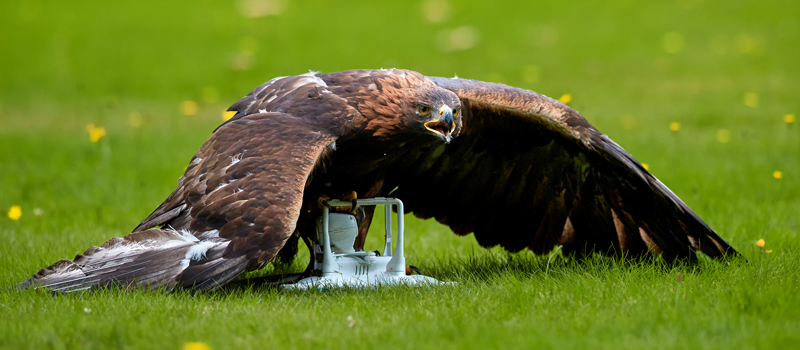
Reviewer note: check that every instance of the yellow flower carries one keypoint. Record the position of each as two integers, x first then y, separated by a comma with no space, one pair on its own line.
769,251
15,212
751,99
95,133
777,174
646,166
196,346
724,136
761,243
228,114
189,108
675,126
566,98
789,118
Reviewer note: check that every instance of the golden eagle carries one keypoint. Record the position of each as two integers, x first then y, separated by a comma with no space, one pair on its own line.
516,168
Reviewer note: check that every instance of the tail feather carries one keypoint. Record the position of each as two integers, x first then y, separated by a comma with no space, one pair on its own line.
212,275
155,258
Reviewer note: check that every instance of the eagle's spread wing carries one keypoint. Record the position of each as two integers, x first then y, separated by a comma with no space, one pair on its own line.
246,184
525,171
234,208
528,171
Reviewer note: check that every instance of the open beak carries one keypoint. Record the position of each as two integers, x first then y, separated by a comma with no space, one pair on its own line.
444,125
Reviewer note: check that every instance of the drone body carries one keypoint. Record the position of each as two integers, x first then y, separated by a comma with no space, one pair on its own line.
481,158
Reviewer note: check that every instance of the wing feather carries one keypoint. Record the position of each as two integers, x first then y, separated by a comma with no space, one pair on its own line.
233,210
527,171
248,183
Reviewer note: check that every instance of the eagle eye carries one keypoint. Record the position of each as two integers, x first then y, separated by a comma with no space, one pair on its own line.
455,112
423,110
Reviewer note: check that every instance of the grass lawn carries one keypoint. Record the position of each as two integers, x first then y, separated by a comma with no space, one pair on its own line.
727,72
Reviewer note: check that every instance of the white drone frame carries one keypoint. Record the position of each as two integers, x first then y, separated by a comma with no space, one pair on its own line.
363,268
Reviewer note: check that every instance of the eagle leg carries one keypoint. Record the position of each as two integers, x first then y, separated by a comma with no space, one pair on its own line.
351,196
310,245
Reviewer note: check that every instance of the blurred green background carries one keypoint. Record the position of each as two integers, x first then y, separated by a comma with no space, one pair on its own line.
702,91
726,71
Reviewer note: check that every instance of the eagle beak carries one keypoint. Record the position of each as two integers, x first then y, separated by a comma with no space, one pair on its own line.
444,125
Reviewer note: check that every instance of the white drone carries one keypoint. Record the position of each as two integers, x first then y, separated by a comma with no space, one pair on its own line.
342,266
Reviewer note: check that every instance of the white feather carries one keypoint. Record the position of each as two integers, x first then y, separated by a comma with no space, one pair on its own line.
198,252
237,158
209,234
314,79
187,236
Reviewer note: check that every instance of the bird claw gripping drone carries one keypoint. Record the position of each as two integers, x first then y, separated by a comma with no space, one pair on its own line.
337,264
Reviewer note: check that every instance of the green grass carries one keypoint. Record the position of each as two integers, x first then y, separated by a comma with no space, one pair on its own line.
68,64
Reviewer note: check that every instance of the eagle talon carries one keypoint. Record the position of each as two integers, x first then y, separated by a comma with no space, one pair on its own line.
351,196
322,200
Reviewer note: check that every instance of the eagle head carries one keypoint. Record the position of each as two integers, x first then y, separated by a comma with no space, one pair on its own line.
406,104
439,113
